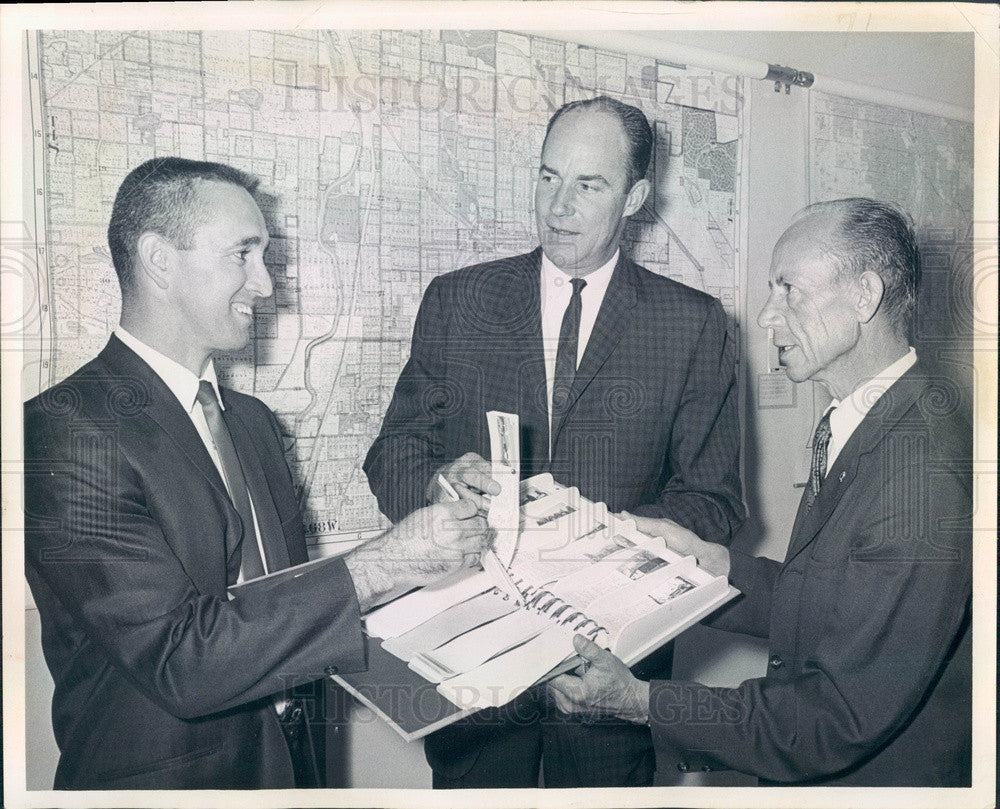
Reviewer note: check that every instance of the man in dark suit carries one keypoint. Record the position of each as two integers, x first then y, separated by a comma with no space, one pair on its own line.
625,388
149,490
869,674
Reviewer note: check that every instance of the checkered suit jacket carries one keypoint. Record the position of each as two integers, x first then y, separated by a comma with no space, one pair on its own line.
652,422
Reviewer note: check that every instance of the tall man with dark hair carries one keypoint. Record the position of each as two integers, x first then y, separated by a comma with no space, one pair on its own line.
869,673
625,388
150,489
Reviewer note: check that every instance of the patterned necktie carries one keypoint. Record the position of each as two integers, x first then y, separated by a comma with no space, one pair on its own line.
569,338
251,561
817,468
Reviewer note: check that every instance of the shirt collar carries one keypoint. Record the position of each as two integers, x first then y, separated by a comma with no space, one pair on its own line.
851,411
182,383
597,281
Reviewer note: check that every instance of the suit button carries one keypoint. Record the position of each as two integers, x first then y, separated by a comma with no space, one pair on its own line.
683,766
776,662
330,670
705,768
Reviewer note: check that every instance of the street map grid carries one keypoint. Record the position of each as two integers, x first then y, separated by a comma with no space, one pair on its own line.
924,164
386,158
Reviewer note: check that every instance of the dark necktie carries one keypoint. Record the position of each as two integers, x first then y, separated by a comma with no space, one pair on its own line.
569,338
251,562
817,468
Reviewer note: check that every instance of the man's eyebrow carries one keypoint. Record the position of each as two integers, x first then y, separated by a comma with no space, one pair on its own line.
249,240
586,178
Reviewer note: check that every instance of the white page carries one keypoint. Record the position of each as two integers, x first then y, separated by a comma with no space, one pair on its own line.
615,610
541,565
451,623
470,650
404,613
503,678
615,570
537,487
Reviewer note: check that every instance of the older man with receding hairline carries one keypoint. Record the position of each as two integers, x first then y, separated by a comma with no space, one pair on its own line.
868,679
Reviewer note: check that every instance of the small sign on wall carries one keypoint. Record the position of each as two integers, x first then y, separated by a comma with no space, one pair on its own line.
775,391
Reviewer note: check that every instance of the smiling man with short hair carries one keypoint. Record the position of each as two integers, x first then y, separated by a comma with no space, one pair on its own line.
150,490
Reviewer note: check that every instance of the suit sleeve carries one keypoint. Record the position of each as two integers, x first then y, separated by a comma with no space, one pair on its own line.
408,449
886,620
703,490
94,541
750,612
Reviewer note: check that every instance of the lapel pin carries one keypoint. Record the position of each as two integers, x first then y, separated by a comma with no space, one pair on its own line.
842,476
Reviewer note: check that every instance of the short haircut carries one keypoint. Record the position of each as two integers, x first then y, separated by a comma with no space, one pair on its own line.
876,236
161,196
634,125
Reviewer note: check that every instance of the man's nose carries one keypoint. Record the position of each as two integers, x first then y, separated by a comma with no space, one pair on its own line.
768,316
562,202
259,280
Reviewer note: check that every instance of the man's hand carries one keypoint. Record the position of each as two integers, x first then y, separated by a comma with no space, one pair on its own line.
711,557
471,477
423,547
606,686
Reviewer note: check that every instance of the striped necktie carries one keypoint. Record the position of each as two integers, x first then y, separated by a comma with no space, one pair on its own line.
238,493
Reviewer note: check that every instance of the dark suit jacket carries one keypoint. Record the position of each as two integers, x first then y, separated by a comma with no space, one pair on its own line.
160,680
652,420
869,678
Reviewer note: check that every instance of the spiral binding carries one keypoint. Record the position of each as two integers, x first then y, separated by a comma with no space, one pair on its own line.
547,603
553,607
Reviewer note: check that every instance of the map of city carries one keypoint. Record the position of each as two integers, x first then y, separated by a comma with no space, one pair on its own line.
386,158
924,164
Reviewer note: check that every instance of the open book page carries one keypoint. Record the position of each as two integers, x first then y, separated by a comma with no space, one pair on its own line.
445,626
654,600
577,569
503,678
582,535
405,613
474,648
632,621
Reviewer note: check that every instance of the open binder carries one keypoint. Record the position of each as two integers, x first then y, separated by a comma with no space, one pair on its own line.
578,569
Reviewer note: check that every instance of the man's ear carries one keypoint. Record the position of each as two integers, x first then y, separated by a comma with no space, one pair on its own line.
871,290
637,196
154,258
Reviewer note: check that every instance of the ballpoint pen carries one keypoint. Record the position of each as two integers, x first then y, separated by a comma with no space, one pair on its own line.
488,558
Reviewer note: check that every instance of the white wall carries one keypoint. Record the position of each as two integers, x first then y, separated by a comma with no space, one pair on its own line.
935,66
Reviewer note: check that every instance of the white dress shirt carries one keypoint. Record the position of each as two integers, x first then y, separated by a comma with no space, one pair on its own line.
850,412
556,292
184,385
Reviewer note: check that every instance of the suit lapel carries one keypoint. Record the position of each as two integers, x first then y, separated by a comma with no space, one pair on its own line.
875,426
162,408
271,535
164,416
532,392
620,298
